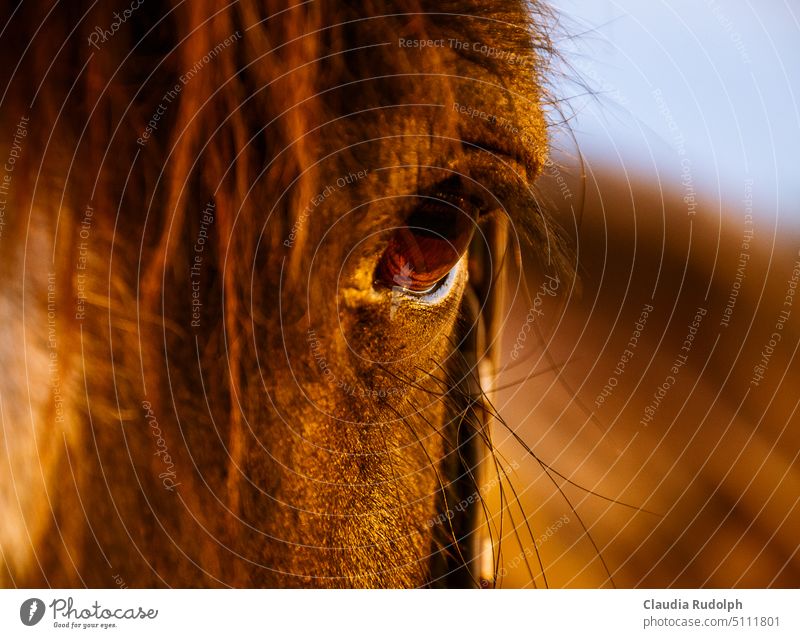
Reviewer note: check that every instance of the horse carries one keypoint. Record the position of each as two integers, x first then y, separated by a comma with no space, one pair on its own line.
257,260
255,252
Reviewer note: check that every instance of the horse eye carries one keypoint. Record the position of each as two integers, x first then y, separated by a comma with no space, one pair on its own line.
421,253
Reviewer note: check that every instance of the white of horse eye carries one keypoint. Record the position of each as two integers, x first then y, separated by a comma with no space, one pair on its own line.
442,288
422,256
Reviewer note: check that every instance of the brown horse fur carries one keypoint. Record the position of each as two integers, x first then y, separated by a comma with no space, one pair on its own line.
298,429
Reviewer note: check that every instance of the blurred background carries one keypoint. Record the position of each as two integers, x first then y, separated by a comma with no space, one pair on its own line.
660,393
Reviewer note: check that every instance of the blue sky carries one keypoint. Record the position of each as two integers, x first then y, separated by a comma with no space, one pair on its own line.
714,81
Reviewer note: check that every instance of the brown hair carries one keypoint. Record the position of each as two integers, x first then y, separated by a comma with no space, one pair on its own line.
189,122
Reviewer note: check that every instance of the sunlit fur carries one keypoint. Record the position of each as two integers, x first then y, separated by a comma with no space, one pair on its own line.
285,478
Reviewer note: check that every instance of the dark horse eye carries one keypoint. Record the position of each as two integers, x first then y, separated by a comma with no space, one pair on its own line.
422,252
